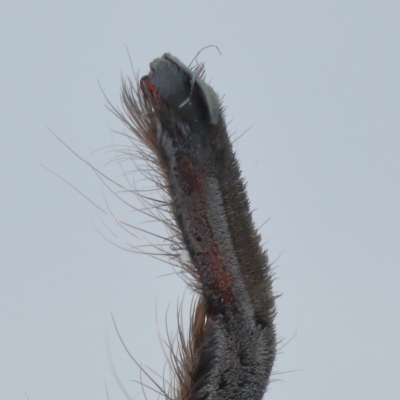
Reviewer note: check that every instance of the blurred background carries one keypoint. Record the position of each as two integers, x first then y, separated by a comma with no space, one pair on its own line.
318,85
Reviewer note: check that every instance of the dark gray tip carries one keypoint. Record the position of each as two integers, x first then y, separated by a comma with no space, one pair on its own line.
183,90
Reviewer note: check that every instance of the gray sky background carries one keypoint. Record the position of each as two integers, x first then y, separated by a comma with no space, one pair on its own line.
318,82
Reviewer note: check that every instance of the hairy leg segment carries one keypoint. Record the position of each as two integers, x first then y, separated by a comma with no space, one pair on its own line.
231,347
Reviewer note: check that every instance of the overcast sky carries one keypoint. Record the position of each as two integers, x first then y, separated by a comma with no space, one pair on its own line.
317,83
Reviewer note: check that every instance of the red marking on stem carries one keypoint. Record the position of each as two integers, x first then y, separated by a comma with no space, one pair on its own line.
192,180
145,81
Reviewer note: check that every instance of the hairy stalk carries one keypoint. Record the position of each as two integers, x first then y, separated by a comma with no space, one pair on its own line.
179,122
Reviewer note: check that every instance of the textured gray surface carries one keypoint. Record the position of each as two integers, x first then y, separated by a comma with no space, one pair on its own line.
317,82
